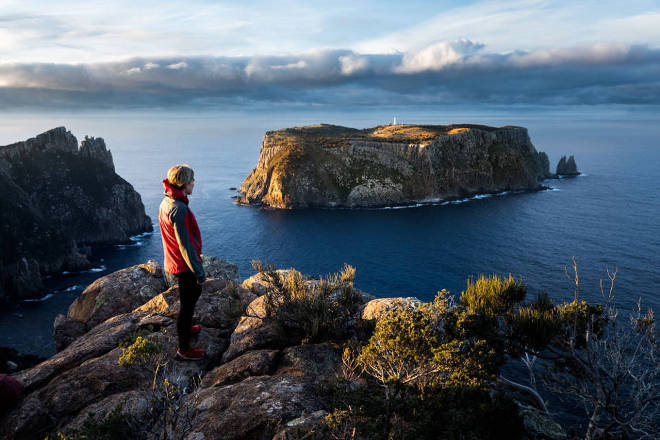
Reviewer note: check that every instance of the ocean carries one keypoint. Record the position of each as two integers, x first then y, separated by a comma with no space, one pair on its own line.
607,218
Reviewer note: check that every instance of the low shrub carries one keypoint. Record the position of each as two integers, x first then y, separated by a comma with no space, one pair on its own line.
311,311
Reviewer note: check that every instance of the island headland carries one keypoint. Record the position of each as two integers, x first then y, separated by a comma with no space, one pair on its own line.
332,166
63,194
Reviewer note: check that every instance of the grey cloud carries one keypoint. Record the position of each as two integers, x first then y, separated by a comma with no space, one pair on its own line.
444,72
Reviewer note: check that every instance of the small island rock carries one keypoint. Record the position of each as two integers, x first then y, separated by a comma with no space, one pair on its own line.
567,167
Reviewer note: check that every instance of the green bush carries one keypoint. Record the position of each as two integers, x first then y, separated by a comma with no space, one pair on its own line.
139,352
434,367
493,295
310,311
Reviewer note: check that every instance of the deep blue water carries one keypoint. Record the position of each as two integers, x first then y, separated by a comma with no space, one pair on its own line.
607,218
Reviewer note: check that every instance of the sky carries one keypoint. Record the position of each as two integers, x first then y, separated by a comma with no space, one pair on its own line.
212,53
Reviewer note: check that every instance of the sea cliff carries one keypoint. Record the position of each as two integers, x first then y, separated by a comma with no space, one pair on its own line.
59,197
332,166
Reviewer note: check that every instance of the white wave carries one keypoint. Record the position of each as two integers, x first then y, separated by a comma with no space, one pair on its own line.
96,269
141,236
135,243
416,205
44,298
66,272
426,202
71,288
458,202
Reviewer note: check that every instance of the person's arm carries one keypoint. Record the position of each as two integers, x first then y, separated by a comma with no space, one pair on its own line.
185,244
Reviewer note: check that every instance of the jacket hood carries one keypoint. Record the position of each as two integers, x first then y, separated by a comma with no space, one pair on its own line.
174,192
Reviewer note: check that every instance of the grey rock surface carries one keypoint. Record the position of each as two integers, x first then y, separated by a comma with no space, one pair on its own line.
379,307
113,294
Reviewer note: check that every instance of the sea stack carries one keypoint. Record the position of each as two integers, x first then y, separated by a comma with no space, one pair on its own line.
58,199
333,166
567,167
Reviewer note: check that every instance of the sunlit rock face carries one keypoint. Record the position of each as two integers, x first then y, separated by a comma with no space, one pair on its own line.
333,166
57,199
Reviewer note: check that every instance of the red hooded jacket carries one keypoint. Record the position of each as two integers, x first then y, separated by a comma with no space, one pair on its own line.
182,240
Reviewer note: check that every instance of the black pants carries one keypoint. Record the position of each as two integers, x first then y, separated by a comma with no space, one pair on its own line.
189,292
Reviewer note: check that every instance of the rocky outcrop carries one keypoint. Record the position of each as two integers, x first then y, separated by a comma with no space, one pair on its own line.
380,307
544,161
254,383
567,167
144,285
332,166
66,195
86,377
246,395
111,295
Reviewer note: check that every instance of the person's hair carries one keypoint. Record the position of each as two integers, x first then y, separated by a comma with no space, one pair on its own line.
180,175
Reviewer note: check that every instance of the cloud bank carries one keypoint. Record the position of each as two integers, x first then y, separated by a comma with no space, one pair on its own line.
445,72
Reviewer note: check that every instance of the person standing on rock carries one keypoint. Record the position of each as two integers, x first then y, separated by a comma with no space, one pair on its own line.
182,247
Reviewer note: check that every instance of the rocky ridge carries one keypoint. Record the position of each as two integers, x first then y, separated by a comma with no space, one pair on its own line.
332,166
255,382
63,194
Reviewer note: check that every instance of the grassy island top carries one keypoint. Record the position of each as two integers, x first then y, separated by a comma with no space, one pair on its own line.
334,135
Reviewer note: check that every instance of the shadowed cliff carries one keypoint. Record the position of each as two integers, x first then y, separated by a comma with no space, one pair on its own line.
59,197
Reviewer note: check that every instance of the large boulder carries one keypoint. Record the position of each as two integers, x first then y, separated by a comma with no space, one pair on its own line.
380,307
86,376
97,342
220,305
318,362
301,426
252,363
259,283
256,330
251,409
111,295
253,334
218,268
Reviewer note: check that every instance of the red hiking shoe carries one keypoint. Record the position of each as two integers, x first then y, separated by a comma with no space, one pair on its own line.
193,354
195,329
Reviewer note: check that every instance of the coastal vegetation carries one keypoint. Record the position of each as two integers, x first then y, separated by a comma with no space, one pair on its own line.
316,358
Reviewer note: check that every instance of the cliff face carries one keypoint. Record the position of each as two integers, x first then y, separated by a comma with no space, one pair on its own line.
335,166
567,167
57,197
